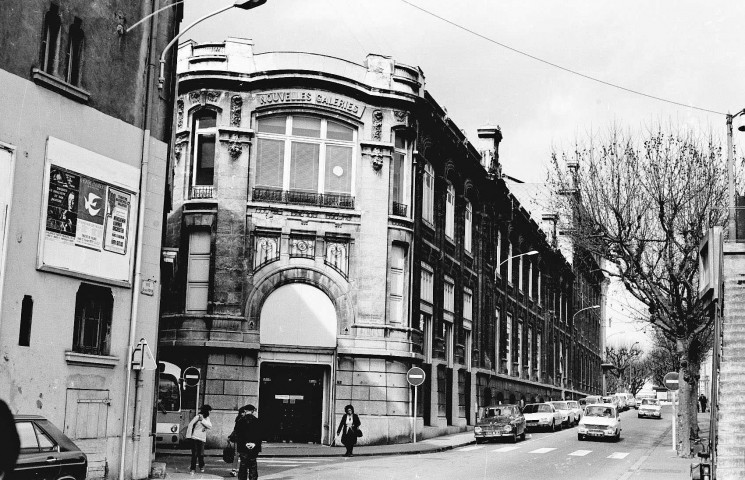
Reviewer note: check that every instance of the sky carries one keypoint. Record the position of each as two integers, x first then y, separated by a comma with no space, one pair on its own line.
688,52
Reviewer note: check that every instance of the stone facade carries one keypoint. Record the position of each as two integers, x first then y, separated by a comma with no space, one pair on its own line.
299,243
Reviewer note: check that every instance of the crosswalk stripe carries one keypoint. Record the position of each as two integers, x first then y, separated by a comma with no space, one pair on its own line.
543,450
472,447
618,455
580,453
506,449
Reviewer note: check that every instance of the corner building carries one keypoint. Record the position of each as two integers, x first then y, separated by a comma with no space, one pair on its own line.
316,246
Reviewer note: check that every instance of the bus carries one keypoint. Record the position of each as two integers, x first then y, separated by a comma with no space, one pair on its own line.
171,420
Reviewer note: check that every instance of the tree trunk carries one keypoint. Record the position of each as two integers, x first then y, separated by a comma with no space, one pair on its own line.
695,370
683,424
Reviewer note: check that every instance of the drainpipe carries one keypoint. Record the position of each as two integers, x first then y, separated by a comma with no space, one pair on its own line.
144,163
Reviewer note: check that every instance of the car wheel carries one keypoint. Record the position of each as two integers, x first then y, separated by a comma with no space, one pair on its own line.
553,426
522,435
580,437
514,437
638,416
618,436
480,440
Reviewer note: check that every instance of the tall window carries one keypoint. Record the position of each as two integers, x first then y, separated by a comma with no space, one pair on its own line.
530,279
509,262
449,295
520,349
467,306
426,288
540,299
92,329
530,352
450,212
499,250
396,284
198,273
427,296
75,52
538,354
468,224
50,40
428,195
203,161
304,154
520,277
398,177
508,344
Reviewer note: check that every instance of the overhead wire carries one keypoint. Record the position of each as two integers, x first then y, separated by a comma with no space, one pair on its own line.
560,67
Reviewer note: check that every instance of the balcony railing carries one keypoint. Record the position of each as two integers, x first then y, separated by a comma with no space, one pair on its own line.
296,197
400,209
201,191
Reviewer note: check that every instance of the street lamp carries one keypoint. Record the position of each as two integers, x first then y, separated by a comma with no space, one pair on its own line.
732,233
583,309
532,252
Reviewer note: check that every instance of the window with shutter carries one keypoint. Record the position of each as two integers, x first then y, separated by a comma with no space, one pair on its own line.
198,274
396,287
304,167
338,178
270,163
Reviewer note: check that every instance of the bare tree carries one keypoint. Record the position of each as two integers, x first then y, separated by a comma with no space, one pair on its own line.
645,205
630,371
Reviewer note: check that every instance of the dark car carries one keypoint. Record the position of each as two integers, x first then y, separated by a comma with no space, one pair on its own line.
500,421
46,452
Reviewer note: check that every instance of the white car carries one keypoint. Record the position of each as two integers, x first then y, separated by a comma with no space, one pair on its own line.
600,421
650,407
576,409
542,415
567,415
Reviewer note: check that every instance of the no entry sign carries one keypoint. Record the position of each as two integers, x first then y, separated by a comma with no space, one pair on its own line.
415,376
191,376
671,381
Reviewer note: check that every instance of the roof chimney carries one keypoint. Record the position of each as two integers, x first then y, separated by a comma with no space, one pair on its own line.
489,138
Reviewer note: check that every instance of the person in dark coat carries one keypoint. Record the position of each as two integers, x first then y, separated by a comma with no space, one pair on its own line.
702,399
348,427
248,436
236,458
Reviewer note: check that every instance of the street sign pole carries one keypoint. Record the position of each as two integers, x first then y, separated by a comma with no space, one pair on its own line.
672,384
413,428
675,416
415,376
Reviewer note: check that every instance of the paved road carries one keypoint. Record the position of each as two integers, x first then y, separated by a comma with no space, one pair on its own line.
543,455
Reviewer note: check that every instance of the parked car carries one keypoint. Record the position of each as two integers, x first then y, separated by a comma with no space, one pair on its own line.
542,415
612,399
583,402
567,416
500,421
600,421
632,403
576,410
624,400
46,452
650,408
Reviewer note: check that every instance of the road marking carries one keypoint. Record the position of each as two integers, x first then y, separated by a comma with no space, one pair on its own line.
543,450
618,455
506,449
472,447
580,453
276,460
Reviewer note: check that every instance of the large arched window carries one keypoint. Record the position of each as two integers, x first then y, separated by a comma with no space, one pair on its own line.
310,158
298,314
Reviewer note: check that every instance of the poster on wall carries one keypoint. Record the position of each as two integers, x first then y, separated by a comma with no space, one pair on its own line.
117,221
89,216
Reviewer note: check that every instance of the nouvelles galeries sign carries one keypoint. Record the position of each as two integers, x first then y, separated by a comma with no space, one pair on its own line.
88,214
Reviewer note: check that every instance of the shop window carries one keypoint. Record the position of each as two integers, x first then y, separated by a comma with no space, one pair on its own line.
27,310
92,328
203,161
75,53
450,212
428,195
198,274
337,255
399,198
397,284
50,40
304,155
468,228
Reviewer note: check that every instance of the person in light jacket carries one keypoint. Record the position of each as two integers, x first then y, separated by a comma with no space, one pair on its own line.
197,431
348,427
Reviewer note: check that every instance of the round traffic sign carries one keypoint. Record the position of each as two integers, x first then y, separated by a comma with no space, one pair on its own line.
671,381
191,376
415,376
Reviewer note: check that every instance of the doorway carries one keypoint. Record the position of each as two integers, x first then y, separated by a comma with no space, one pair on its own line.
291,401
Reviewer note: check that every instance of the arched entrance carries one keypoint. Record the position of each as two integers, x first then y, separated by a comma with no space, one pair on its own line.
297,328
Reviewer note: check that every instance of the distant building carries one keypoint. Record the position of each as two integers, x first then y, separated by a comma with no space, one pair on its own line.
72,145
331,227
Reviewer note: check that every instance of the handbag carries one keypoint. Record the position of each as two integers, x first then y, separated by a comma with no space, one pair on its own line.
358,432
228,453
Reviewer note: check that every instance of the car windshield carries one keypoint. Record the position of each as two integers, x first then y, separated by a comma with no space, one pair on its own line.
572,404
649,401
560,405
598,411
498,412
537,408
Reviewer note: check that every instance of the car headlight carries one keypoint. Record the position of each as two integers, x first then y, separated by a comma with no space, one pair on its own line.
477,429
174,428
546,419
507,428
609,430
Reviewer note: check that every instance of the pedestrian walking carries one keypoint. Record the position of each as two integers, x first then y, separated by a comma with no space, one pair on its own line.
248,437
349,428
703,401
236,458
197,432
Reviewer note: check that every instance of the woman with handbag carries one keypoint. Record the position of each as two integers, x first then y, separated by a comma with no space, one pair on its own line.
197,432
349,427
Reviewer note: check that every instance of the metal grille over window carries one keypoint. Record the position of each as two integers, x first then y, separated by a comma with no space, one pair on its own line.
92,329
302,247
266,251
336,256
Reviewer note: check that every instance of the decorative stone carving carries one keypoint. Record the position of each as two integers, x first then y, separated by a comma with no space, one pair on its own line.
182,138
377,153
236,104
177,149
235,149
180,113
194,97
213,95
377,126
400,116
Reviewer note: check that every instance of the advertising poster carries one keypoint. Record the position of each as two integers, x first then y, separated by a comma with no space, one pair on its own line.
91,199
62,206
117,221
